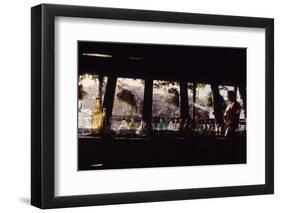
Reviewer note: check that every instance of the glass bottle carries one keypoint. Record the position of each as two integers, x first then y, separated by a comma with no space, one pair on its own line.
161,125
185,125
132,125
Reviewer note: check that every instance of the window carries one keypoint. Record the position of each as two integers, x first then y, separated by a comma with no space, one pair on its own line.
90,87
223,92
190,99
165,105
127,107
239,99
128,104
204,104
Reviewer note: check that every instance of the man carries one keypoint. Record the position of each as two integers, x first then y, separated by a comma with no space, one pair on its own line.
231,114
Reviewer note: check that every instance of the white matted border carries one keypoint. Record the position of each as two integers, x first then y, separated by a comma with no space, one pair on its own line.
68,181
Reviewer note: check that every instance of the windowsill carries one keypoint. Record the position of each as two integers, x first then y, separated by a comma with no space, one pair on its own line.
153,137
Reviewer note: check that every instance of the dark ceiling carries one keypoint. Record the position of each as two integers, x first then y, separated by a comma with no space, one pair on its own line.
223,65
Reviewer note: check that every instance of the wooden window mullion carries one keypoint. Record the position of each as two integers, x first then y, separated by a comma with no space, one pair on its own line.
109,97
147,103
184,107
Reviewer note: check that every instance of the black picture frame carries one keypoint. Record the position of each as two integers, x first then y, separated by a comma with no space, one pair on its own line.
43,111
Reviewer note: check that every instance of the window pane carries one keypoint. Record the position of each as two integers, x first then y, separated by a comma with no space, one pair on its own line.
204,104
90,87
190,98
239,99
223,92
165,105
127,106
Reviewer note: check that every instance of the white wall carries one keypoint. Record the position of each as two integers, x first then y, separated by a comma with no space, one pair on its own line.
15,105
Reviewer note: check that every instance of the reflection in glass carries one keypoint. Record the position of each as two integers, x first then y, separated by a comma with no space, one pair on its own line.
223,92
239,99
90,88
190,98
166,105
223,95
127,107
204,103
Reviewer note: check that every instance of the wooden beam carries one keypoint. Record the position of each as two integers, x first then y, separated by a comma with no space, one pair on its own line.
109,97
147,103
217,103
184,107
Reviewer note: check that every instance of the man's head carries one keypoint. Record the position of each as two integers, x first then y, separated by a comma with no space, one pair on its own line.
231,96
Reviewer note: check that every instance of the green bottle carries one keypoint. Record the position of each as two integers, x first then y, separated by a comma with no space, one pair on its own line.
132,125
161,125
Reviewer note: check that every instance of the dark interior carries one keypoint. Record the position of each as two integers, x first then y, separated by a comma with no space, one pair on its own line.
166,62
211,65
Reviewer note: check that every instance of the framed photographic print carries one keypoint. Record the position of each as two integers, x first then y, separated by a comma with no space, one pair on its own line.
139,106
